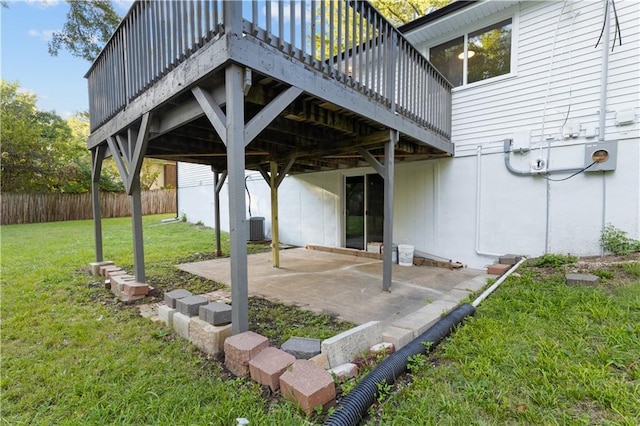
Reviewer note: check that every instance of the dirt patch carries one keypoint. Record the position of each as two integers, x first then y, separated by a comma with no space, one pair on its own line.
613,270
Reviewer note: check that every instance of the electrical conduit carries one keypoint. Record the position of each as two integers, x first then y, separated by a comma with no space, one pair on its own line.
604,80
354,406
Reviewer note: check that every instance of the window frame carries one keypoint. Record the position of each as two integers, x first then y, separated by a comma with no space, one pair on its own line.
483,23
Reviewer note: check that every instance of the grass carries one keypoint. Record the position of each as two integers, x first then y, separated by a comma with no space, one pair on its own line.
536,352
71,355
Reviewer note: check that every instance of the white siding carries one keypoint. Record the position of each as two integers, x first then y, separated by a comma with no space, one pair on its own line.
544,89
436,206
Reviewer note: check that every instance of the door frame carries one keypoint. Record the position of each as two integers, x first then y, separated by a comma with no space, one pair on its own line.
343,204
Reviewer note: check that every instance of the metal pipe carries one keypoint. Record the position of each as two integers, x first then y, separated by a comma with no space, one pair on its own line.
495,285
604,80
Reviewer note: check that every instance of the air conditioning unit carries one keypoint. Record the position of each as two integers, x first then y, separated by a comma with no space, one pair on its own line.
256,229
604,154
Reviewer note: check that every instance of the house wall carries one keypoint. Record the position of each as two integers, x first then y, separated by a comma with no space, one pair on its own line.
437,208
309,205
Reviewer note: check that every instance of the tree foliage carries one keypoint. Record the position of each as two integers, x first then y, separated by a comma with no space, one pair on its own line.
400,12
88,27
41,152
30,140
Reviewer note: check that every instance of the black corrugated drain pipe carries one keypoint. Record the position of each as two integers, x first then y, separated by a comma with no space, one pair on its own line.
354,406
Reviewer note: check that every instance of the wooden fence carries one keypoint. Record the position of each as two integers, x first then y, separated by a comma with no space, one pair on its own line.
53,207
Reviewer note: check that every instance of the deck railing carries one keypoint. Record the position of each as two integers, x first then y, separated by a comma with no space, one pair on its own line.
152,39
350,42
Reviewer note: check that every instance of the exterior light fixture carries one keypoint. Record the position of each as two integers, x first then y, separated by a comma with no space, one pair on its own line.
470,54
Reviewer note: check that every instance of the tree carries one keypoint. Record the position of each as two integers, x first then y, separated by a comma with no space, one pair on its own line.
401,12
41,152
89,26
31,140
77,168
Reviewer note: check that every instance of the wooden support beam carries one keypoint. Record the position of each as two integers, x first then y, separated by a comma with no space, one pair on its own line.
129,153
117,157
97,157
269,113
284,172
387,231
213,111
234,136
139,149
275,236
377,139
218,182
136,223
373,161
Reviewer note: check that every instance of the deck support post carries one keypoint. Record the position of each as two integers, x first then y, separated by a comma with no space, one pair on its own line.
128,154
275,236
235,138
97,156
387,232
218,181
387,173
136,221
274,179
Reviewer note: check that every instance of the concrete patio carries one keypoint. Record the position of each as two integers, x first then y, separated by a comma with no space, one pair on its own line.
345,286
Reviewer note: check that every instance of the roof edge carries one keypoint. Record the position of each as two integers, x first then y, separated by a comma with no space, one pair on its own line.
437,14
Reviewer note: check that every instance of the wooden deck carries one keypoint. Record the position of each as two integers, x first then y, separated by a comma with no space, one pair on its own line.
282,87
377,81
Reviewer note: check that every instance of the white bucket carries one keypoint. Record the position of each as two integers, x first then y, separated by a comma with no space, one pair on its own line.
405,254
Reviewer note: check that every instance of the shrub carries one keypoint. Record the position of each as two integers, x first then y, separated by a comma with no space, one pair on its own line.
616,241
552,260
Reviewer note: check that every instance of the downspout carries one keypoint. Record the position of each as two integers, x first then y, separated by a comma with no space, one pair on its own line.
478,204
604,80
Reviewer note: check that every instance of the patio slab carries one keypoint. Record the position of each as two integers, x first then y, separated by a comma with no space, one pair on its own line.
345,286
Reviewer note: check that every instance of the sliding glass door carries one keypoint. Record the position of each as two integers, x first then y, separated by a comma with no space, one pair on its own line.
364,207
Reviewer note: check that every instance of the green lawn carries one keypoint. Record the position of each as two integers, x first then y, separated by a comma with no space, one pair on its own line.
71,355
536,352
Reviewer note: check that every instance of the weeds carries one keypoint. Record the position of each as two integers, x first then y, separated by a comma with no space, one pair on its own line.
416,362
615,240
551,260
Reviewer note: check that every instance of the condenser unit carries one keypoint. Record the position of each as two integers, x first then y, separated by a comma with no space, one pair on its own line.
256,229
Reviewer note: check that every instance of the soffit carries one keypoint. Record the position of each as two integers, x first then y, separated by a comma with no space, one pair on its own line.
456,20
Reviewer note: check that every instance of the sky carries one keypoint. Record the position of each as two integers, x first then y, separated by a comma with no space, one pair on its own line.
58,81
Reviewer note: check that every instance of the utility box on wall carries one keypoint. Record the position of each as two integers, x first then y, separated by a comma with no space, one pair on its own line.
604,154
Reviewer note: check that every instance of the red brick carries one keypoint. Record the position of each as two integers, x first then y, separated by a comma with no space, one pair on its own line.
267,367
308,385
106,268
113,273
135,289
244,346
118,282
498,269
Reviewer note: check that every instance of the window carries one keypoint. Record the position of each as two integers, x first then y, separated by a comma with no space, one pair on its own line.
475,56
